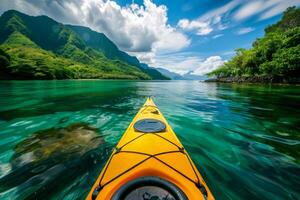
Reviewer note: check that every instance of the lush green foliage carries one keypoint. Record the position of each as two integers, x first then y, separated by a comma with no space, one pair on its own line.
277,54
41,48
101,43
4,59
25,60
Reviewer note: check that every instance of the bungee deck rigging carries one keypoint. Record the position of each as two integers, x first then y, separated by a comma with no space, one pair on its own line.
149,158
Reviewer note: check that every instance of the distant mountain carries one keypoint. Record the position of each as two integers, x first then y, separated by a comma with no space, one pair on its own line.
41,48
191,76
175,76
172,75
153,72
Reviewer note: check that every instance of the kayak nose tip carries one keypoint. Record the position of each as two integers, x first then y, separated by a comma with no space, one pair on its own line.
149,102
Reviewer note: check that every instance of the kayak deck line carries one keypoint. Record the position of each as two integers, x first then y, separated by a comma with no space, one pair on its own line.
180,150
156,157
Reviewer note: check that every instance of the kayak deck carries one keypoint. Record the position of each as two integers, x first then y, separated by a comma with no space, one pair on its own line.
144,154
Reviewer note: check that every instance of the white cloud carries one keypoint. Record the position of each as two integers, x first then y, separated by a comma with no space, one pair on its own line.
278,9
228,53
180,63
210,21
245,30
208,65
134,28
145,57
236,10
216,14
185,62
249,9
264,8
18,5
202,28
217,36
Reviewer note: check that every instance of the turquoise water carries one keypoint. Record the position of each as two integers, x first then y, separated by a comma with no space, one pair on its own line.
244,139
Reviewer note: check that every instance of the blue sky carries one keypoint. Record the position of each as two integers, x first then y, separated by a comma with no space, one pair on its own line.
179,35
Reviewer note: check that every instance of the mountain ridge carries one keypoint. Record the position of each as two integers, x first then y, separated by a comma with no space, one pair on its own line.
93,38
175,76
50,36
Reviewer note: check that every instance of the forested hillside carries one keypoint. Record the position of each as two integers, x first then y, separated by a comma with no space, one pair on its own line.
273,58
41,48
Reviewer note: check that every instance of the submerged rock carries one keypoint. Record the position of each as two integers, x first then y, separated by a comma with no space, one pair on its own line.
49,160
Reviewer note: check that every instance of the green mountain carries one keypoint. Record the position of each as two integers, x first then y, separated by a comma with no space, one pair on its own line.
101,43
273,58
172,75
41,48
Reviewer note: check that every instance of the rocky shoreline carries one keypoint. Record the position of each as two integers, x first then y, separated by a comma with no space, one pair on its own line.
256,79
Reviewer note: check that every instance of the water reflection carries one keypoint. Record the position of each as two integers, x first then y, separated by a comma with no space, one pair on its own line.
35,98
240,125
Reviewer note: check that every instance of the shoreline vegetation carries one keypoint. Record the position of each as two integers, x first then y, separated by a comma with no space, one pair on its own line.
39,48
274,58
255,79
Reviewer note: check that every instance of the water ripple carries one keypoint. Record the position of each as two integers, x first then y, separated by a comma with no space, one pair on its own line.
243,138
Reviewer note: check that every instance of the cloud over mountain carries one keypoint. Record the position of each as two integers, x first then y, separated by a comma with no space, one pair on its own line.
134,28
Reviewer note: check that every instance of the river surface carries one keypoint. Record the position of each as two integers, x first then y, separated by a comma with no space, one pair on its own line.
244,139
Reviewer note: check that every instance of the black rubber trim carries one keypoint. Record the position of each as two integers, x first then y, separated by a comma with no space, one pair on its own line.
149,181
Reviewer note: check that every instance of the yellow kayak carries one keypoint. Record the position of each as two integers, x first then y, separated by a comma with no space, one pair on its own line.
149,163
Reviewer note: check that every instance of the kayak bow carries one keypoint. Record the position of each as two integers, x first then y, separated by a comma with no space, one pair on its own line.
148,163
